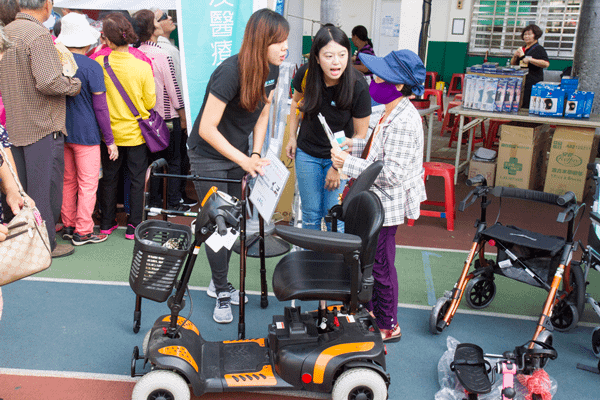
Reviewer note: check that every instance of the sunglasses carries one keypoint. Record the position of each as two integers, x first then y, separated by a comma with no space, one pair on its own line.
163,17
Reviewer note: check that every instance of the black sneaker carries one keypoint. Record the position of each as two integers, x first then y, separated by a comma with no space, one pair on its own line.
180,207
186,201
67,232
130,232
79,240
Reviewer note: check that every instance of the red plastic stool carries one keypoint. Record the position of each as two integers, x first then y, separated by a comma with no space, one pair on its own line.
449,119
430,80
457,79
492,135
465,138
439,99
447,172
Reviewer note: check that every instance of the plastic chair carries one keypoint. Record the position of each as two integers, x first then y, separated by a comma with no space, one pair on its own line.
430,80
465,138
439,98
447,172
492,134
457,79
449,118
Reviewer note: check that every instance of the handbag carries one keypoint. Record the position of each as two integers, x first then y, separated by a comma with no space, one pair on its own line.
26,249
154,129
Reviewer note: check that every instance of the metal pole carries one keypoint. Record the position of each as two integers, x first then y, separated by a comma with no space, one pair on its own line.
586,63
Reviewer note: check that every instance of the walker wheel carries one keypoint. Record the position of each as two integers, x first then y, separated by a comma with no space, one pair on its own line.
480,292
359,383
438,312
596,342
564,316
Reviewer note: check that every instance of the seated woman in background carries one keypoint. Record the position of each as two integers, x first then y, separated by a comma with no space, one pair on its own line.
360,39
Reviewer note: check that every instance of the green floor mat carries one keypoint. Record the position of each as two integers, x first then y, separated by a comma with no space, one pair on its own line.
423,275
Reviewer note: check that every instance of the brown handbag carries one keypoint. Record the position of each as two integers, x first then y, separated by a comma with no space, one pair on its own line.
26,249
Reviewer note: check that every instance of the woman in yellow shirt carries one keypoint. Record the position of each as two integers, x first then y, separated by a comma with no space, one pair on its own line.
137,80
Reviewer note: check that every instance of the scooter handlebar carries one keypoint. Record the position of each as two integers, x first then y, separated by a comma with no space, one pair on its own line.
221,227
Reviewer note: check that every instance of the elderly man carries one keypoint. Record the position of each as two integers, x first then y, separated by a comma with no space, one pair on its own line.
34,89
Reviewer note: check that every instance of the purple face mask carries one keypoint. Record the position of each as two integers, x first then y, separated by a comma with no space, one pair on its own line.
384,92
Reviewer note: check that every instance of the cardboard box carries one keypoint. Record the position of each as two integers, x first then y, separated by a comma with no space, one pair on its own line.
485,168
286,202
572,149
522,155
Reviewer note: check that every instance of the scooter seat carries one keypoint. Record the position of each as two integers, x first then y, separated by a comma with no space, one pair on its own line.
471,368
310,275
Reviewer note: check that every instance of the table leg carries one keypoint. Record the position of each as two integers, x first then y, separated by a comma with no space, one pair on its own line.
458,143
429,133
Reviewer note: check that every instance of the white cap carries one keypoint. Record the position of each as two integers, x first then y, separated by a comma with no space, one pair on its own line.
76,31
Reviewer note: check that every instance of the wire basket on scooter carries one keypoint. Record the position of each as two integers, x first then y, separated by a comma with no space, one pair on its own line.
158,255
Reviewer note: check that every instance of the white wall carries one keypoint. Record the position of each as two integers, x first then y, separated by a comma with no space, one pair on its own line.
442,14
354,12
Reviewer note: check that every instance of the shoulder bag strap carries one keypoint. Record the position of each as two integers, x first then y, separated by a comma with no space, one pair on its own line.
120,88
14,174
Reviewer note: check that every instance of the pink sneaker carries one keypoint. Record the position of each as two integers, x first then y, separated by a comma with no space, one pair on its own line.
109,230
130,232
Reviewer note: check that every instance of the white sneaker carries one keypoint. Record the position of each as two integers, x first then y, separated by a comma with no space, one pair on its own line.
222,313
233,293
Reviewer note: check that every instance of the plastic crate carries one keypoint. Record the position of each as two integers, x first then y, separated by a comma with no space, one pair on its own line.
154,268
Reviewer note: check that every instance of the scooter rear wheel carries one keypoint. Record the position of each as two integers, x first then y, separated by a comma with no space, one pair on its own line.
596,342
161,384
359,383
438,312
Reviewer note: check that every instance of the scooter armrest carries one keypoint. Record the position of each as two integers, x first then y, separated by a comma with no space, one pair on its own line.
325,242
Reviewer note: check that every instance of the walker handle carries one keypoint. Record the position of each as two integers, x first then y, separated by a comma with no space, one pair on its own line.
476,180
566,198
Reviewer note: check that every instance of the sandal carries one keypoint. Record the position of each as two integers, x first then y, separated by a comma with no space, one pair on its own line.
391,335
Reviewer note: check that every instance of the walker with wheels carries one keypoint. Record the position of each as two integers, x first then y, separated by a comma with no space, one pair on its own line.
534,258
332,349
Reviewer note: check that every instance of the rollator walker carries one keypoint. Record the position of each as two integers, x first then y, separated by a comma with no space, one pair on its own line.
533,258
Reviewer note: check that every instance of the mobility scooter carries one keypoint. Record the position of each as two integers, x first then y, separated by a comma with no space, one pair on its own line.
333,349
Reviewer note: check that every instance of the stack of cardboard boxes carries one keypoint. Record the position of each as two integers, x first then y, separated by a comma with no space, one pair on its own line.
531,156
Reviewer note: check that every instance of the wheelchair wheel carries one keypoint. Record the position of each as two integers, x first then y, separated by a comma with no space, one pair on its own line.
596,342
480,292
564,316
438,312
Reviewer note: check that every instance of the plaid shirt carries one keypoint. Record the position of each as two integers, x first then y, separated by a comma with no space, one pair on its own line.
399,143
32,84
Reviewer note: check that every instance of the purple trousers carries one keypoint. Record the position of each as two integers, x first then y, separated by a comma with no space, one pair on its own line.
384,303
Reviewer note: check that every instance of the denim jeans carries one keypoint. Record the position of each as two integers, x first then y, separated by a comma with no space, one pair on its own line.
316,200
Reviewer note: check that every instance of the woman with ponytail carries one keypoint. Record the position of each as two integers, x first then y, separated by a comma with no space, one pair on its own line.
236,103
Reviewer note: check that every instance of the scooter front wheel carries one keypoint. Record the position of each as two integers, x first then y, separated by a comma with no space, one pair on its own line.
161,384
438,312
359,383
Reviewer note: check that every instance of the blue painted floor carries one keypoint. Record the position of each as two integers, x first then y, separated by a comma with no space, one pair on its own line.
80,327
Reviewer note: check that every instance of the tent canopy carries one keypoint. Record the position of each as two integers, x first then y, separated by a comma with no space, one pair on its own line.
116,4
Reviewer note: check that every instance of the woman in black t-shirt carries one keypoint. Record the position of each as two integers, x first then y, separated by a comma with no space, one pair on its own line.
236,103
532,56
331,86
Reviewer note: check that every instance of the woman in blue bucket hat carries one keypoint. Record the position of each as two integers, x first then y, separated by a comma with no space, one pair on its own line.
397,140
